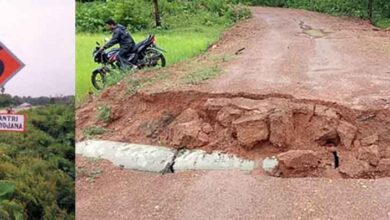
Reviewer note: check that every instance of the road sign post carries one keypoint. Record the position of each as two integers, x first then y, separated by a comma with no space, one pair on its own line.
9,66
12,122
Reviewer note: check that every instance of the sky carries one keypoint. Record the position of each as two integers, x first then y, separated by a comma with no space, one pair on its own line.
41,33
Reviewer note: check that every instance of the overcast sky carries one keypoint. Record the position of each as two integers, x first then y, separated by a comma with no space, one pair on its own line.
41,33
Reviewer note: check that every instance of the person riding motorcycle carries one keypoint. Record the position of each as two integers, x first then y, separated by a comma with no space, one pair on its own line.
123,38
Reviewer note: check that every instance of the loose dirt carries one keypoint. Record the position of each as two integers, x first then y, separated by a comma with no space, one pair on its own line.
302,87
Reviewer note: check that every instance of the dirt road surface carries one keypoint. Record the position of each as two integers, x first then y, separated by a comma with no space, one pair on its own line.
123,194
310,55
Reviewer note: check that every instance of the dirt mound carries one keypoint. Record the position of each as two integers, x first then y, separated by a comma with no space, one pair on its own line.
309,137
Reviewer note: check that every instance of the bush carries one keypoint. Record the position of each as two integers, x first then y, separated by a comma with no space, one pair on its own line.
104,113
238,12
275,3
37,167
139,14
356,8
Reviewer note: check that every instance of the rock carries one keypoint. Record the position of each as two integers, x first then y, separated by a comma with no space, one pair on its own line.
357,144
186,130
187,116
384,167
225,135
207,128
347,133
248,104
324,111
297,162
370,140
251,129
216,104
370,154
227,114
281,128
203,138
270,165
186,134
351,167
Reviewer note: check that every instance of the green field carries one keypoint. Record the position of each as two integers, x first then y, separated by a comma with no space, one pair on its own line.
179,44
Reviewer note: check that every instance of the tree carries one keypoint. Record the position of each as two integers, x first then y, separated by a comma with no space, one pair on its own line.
6,100
157,13
369,9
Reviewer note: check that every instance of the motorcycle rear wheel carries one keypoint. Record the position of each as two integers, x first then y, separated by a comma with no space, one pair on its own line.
155,59
98,79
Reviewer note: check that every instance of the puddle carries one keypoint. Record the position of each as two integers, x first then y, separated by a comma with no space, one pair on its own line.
315,33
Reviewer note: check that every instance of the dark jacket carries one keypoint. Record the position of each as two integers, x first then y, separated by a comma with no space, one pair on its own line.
122,37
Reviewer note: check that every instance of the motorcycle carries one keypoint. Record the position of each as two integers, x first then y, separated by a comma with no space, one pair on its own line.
144,54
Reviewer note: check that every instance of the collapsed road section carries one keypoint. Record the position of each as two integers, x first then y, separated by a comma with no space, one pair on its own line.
305,137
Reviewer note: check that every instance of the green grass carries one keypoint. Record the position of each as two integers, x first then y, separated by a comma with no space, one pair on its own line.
382,23
90,132
180,44
104,113
197,76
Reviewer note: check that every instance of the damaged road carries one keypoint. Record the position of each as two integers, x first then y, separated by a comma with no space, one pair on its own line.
305,83
307,97
355,142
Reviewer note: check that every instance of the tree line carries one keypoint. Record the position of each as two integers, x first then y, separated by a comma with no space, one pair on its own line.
6,100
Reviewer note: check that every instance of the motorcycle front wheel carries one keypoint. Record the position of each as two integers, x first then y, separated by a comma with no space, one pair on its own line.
98,78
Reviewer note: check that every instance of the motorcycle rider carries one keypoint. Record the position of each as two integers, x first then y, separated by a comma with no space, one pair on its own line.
123,38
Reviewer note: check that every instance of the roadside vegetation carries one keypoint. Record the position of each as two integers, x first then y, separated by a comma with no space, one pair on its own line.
37,169
187,29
